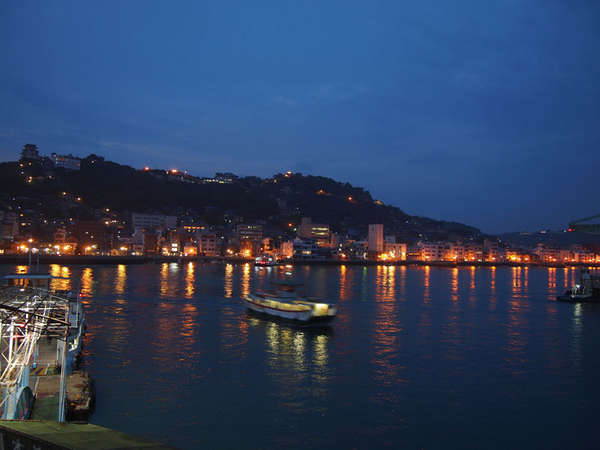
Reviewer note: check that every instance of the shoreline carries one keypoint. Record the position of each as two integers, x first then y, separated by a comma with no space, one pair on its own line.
95,259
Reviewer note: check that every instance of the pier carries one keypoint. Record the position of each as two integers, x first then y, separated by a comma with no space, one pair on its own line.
46,434
44,403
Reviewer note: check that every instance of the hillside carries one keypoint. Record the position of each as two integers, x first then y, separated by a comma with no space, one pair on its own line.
279,200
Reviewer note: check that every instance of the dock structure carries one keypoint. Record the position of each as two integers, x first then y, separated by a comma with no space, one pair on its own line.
52,435
40,334
40,338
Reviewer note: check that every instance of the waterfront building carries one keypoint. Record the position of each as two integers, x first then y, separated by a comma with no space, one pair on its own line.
65,248
566,255
517,255
547,254
317,232
473,251
308,249
414,253
490,250
355,249
457,251
249,237
431,251
375,239
68,162
247,232
138,236
60,235
147,221
207,243
151,243
395,251
286,249
190,249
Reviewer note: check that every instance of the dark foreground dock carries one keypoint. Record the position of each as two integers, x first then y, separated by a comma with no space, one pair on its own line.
31,434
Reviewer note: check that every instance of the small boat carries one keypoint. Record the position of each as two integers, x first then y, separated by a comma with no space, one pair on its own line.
285,302
587,290
265,261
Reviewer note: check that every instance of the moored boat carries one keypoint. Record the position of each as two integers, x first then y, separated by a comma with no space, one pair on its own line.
265,261
285,302
587,290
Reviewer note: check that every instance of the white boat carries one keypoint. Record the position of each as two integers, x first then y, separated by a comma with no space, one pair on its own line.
286,303
587,290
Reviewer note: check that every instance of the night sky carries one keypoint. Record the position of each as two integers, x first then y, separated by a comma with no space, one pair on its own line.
483,112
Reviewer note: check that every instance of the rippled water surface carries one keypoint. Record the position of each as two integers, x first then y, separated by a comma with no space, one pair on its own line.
418,357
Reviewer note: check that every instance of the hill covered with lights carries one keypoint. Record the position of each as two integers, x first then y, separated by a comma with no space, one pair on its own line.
278,201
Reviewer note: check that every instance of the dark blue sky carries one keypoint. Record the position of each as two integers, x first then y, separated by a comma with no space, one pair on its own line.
482,112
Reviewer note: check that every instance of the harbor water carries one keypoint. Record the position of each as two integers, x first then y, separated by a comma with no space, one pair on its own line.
418,357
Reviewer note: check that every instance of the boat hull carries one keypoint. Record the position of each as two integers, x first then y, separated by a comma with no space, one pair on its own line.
311,323
578,299
299,312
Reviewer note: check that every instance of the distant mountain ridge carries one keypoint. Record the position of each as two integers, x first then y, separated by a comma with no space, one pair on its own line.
279,200
559,239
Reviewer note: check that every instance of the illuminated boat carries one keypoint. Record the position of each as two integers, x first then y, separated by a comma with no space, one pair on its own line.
285,302
587,290
265,261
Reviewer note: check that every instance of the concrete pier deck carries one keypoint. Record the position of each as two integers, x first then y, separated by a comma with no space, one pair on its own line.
80,397
53,435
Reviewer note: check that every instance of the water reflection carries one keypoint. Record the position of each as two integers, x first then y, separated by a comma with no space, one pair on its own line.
87,279
120,279
492,288
426,296
578,333
402,282
246,280
454,285
344,283
164,279
518,306
169,282
552,283
62,283
228,280
387,328
451,331
190,280
295,357
516,280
